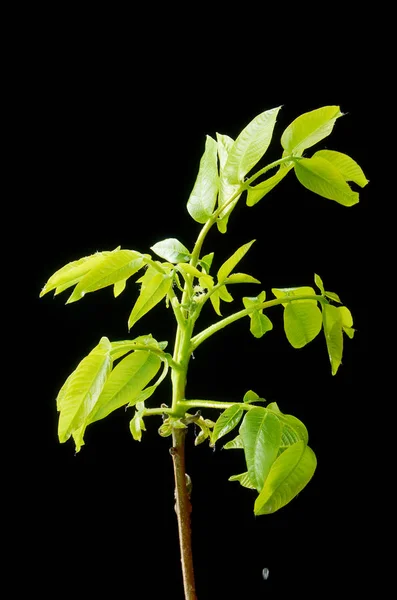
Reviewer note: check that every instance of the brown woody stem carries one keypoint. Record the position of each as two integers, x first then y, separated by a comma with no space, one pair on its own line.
183,508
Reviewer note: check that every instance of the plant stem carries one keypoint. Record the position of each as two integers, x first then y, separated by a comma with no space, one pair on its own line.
206,333
272,165
212,404
183,509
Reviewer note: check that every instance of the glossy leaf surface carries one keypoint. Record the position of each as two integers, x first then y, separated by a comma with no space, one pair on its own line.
288,475
152,292
172,250
202,200
227,421
261,435
322,178
82,389
250,146
115,267
308,129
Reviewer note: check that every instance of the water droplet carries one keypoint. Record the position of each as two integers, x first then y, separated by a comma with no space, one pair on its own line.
265,573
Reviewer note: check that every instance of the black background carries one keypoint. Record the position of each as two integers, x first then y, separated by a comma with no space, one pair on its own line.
112,137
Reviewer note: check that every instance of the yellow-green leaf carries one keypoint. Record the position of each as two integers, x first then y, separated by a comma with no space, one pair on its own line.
308,129
82,389
302,323
261,435
151,294
288,475
231,262
322,178
71,273
125,383
117,266
257,192
250,146
202,200
346,166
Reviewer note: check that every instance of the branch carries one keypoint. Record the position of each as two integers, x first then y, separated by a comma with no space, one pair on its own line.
206,333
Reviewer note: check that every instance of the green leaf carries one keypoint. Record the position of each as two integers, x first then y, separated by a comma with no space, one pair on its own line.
319,283
165,430
206,281
331,295
227,421
71,273
250,146
346,166
308,129
125,383
302,323
215,301
257,192
288,475
322,178
147,392
151,294
205,431
206,262
260,324
224,294
251,396
119,287
231,262
243,479
202,200
240,278
190,270
118,266
226,189
137,425
172,250
261,434
293,429
82,389
235,444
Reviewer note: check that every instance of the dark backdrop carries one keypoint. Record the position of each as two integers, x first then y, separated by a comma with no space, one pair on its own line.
112,146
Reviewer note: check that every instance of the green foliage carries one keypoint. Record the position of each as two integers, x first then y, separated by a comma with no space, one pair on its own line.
279,463
172,250
308,129
202,200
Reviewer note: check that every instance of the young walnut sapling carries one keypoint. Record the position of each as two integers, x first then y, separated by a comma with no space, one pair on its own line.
279,462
